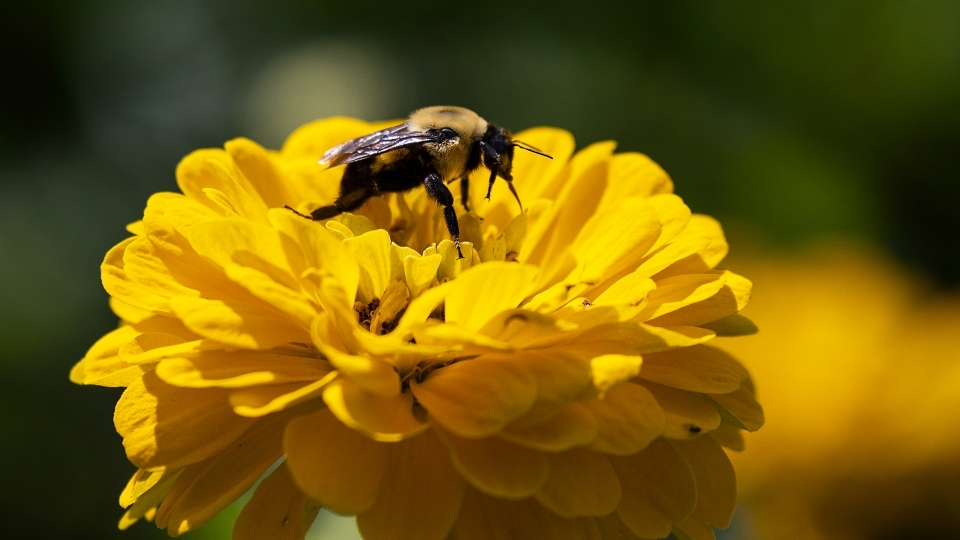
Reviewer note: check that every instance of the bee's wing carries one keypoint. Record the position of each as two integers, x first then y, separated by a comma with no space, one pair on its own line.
374,144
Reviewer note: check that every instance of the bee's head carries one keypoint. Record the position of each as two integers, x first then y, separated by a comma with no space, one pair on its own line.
497,146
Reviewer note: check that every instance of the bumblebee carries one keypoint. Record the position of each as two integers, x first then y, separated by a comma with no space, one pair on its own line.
435,146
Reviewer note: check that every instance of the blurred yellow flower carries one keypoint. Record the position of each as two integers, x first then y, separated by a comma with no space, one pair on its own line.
554,383
861,381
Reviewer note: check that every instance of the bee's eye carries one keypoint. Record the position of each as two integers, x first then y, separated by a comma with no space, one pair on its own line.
447,134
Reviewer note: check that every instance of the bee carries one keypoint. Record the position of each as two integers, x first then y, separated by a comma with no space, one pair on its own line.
435,146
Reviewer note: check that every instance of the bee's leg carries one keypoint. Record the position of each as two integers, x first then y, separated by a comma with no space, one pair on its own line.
355,188
345,203
441,193
465,192
493,178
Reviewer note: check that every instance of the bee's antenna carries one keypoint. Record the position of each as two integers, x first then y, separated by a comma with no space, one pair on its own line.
524,146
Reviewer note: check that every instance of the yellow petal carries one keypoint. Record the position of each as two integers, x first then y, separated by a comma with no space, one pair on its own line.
699,368
536,176
333,463
103,358
287,300
716,484
260,171
609,370
673,214
616,239
482,292
732,325
729,437
278,510
629,419
141,482
203,489
128,313
583,182
309,245
236,369
687,415
167,426
693,528
387,419
378,263
658,487
613,528
243,242
241,325
676,292
561,376
458,338
497,467
214,169
476,398
420,272
742,406
420,494
255,401
147,502
633,174
119,286
489,518
731,298
573,426
374,375
581,483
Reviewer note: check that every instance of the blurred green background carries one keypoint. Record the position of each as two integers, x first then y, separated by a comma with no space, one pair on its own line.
790,121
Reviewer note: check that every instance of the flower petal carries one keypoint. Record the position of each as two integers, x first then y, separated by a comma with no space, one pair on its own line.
659,489
741,405
573,426
687,415
151,497
382,418
255,401
308,245
214,169
205,488
379,264
633,174
629,419
278,510
333,463
497,467
260,172
699,368
237,369
477,398
239,324
285,299
163,425
731,298
611,241
420,494
609,370
716,483
482,292
243,242
581,483
489,518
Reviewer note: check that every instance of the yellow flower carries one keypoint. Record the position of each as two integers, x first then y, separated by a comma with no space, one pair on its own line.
862,380
554,383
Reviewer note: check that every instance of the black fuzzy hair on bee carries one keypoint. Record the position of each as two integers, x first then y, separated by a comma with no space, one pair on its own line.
435,146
